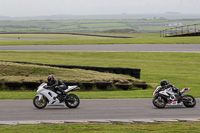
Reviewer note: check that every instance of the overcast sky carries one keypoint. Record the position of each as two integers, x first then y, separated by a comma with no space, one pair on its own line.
19,8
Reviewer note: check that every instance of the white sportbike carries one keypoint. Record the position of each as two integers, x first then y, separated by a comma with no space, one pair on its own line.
49,97
168,97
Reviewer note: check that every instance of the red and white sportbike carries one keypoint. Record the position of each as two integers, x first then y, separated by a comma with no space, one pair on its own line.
168,97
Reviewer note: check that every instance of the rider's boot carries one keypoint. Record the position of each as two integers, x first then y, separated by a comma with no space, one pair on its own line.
61,96
179,97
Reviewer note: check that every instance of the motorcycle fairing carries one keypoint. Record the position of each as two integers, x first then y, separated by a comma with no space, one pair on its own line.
50,96
175,102
184,90
70,88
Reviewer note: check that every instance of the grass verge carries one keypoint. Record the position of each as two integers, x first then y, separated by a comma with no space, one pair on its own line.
84,94
193,127
60,39
15,72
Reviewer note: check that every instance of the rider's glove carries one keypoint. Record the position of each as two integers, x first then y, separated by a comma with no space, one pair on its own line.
169,85
47,87
175,88
56,87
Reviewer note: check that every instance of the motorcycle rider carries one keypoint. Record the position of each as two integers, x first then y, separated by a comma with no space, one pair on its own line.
164,85
56,85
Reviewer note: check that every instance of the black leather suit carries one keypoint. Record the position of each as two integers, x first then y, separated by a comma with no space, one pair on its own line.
57,85
174,89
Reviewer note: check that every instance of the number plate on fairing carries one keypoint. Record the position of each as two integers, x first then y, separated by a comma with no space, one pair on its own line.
175,103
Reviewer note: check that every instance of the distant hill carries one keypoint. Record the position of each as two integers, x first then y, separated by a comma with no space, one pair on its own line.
167,15
123,23
5,18
174,13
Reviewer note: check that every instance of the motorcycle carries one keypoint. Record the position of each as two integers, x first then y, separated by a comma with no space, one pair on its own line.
50,98
168,97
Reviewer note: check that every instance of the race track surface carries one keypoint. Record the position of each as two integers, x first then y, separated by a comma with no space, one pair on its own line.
101,109
108,48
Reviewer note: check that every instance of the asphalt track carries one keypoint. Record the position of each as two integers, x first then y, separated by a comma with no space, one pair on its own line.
95,109
108,47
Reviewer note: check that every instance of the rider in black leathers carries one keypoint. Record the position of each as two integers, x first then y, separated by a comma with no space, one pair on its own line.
57,86
164,85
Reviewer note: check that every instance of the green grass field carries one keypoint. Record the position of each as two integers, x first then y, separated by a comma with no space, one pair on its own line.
181,127
128,94
181,69
64,39
92,25
14,72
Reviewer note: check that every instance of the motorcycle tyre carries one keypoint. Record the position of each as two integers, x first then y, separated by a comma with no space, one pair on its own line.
158,106
68,104
34,103
188,105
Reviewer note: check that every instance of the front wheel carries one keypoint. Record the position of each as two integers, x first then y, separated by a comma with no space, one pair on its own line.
40,104
189,101
72,101
159,102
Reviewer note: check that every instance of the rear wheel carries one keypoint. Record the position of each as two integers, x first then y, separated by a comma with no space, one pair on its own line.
40,104
72,101
159,102
189,101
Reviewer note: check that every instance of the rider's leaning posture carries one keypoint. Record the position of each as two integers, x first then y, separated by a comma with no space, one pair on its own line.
165,85
56,85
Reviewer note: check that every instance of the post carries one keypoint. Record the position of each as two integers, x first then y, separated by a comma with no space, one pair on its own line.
182,29
163,33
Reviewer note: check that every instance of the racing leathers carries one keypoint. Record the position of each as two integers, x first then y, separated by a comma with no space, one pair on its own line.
174,89
58,87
